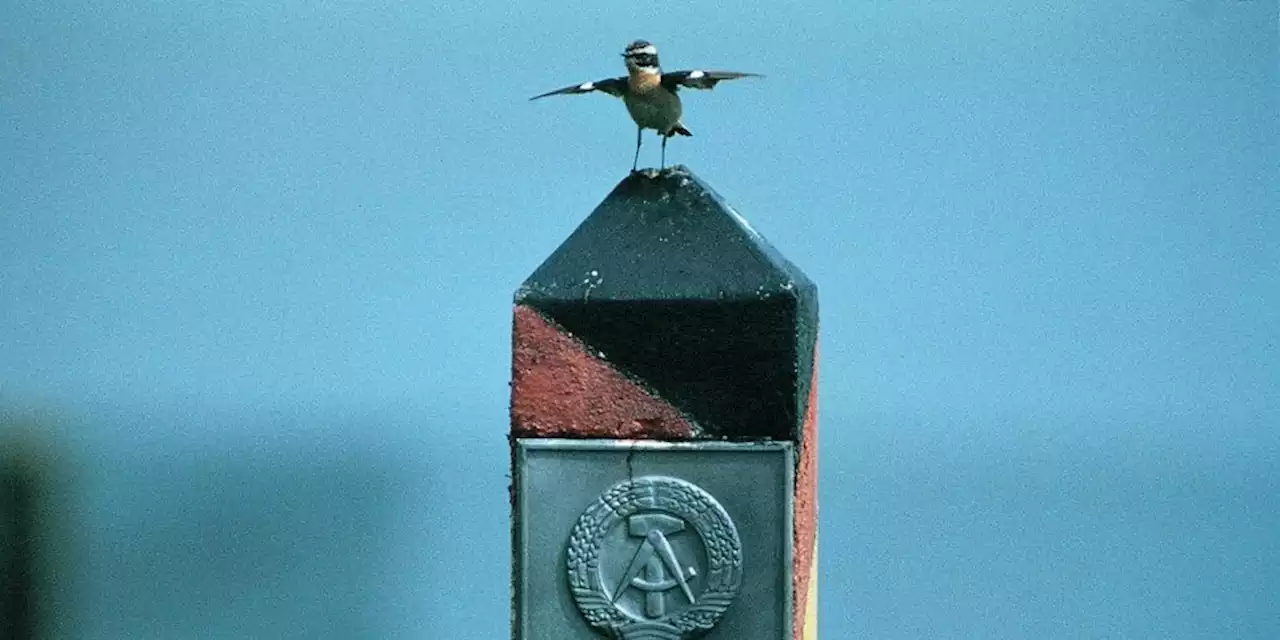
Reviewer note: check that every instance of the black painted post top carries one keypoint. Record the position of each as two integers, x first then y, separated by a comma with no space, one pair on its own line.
666,282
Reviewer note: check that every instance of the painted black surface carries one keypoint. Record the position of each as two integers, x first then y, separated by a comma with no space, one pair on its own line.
676,290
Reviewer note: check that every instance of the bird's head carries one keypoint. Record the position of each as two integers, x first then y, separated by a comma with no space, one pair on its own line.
642,56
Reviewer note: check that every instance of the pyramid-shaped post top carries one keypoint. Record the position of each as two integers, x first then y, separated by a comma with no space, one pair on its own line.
663,236
672,288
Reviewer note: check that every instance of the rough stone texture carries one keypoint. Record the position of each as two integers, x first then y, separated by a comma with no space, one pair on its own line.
559,389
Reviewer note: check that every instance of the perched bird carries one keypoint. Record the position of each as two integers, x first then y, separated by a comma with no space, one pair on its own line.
650,94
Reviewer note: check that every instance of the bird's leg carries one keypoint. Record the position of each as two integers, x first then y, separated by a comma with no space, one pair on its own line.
664,153
636,160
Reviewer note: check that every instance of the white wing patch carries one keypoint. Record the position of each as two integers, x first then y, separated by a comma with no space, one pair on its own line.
696,74
587,86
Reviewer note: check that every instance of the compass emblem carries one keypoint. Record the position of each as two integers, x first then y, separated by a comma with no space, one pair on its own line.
654,558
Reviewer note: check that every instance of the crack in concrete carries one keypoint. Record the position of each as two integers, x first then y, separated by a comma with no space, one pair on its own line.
631,459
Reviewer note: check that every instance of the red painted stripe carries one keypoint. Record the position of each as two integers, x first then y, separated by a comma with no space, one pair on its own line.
560,388
806,504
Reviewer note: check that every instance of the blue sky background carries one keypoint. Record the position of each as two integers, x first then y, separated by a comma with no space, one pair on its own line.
257,258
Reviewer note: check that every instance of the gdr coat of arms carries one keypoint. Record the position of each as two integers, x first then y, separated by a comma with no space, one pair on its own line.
654,558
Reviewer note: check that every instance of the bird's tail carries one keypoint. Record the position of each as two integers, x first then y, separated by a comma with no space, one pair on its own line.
679,128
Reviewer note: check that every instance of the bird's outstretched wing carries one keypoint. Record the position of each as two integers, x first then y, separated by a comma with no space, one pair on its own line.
612,86
699,79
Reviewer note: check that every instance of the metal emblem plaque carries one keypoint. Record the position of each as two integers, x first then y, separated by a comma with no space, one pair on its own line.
648,540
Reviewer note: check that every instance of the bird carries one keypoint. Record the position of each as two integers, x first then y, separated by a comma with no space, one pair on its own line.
650,95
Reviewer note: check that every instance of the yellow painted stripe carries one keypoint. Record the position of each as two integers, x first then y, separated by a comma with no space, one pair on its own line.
810,629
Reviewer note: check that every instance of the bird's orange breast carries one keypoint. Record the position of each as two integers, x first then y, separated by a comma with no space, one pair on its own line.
644,81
